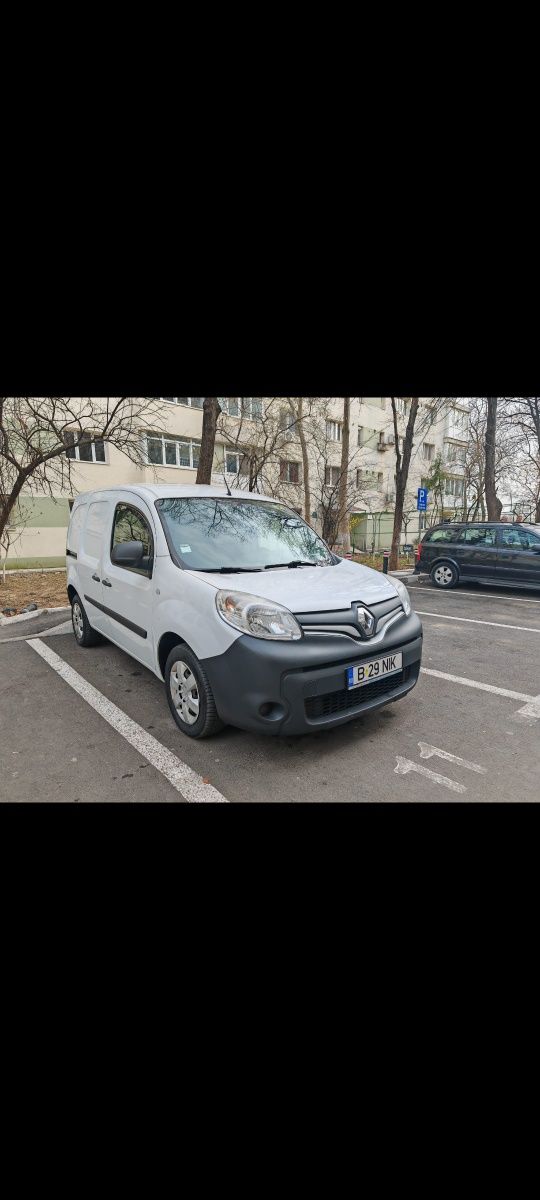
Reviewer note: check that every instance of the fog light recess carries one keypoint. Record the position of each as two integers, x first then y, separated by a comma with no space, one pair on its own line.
271,711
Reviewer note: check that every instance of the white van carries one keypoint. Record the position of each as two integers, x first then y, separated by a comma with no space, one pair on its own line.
237,604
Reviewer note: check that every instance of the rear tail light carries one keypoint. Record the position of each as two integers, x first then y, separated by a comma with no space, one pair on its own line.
418,552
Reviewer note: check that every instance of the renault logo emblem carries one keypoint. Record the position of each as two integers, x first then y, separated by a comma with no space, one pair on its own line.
366,621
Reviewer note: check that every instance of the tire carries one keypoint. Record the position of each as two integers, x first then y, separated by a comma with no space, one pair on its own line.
85,636
445,575
190,696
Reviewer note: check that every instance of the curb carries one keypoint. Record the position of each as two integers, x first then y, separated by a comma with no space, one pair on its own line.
41,612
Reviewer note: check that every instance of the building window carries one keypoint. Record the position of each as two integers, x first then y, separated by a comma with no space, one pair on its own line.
242,406
87,450
373,479
455,488
428,451
236,463
163,451
332,476
458,425
289,472
334,431
368,437
187,401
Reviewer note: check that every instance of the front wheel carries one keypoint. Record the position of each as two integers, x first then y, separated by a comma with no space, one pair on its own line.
445,576
190,696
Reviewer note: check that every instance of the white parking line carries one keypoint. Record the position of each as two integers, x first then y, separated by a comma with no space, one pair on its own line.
481,687
404,767
427,751
531,710
470,621
182,778
455,594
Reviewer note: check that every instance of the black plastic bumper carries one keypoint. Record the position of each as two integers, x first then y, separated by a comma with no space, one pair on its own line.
281,688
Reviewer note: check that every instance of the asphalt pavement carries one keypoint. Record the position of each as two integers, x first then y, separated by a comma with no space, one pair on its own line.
93,725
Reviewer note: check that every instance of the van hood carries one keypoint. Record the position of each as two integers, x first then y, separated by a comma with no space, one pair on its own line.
310,589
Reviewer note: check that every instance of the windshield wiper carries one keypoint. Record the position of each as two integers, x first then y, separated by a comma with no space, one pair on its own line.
298,562
230,570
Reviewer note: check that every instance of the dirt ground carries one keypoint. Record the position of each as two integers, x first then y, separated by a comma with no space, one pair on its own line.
47,590
405,564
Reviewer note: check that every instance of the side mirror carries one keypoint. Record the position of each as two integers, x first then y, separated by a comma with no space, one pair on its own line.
128,554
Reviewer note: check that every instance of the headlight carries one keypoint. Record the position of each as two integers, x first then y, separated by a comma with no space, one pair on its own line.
260,618
403,595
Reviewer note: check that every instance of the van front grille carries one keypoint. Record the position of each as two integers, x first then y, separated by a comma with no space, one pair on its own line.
337,702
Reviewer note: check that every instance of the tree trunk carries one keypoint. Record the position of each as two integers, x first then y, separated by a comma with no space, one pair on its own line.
344,518
494,505
7,503
403,463
212,409
305,460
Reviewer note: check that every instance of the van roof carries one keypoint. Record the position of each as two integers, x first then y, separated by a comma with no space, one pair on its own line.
483,524
164,492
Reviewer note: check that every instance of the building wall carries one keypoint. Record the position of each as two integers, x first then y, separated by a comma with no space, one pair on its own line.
46,520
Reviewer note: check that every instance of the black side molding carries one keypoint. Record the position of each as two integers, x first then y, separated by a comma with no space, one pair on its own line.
142,633
71,554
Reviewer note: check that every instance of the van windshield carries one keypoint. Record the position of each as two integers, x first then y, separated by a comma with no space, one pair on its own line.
239,535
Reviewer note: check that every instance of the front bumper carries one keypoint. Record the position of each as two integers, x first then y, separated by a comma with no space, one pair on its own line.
281,688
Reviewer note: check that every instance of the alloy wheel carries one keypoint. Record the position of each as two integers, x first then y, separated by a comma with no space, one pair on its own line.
444,576
185,693
78,621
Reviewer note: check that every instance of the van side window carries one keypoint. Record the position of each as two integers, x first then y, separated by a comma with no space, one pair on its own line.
443,535
74,531
131,526
479,536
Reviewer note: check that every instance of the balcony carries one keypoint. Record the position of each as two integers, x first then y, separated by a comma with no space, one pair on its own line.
453,467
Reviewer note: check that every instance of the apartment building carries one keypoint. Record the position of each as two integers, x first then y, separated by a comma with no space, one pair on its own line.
261,430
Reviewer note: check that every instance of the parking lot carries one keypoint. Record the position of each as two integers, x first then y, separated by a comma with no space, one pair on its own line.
87,726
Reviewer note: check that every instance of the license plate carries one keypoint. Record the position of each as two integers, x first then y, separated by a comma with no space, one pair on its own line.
369,672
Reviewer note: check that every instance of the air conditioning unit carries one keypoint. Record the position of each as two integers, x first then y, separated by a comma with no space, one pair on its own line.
390,498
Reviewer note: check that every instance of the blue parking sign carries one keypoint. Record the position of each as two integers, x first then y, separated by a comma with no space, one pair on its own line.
422,499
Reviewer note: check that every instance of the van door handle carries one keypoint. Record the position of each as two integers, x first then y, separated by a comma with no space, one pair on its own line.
106,583
96,578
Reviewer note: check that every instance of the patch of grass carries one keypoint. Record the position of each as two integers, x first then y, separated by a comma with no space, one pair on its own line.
47,591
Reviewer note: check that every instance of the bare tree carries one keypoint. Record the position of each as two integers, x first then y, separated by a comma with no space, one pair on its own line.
339,487
211,412
419,421
522,413
510,449
268,437
403,463
494,505
298,413
39,436
11,534
345,524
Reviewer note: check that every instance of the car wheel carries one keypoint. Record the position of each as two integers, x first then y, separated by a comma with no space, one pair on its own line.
190,696
84,634
445,575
